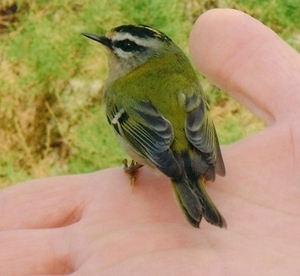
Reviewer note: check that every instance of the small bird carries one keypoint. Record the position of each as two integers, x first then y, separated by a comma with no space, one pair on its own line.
155,104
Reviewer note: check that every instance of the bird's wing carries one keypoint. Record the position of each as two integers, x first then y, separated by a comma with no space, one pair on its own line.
148,133
201,133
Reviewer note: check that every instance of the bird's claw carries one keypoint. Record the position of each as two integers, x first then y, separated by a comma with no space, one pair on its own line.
131,169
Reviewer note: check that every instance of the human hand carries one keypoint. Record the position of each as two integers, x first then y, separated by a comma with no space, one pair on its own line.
96,224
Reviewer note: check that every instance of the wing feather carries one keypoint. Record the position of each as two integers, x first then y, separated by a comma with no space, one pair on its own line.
201,133
148,133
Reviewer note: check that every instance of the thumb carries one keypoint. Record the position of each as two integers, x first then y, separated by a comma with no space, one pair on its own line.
247,59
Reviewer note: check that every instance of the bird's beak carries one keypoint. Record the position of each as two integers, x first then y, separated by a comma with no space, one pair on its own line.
99,38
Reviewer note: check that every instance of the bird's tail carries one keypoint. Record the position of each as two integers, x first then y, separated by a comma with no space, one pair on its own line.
195,202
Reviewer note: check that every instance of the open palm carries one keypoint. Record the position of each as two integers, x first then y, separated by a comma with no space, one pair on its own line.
96,224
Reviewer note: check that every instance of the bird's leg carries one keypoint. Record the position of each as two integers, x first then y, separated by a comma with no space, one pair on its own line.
131,169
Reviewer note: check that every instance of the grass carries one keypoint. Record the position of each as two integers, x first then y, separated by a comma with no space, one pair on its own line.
51,120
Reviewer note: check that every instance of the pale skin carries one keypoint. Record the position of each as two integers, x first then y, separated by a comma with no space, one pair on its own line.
94,224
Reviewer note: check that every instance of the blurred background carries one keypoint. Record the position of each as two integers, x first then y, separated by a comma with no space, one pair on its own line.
51,78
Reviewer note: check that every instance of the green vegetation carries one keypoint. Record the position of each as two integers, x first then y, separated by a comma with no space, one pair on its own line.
51,120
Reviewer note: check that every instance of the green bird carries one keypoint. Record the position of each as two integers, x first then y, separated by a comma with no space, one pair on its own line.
155,104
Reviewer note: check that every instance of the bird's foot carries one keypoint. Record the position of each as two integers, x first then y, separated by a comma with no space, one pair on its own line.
132,170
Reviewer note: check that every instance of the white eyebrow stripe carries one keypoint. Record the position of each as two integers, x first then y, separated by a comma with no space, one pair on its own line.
123,36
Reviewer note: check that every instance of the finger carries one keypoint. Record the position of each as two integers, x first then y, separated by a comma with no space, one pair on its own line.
60,201
244,57
35,252
43,203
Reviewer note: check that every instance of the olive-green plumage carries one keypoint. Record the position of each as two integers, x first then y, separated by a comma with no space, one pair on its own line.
156,106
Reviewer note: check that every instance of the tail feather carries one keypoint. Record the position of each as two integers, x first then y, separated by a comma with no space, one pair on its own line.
188,201
210,211
195,202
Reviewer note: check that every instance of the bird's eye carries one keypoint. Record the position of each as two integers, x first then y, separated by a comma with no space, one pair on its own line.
127,45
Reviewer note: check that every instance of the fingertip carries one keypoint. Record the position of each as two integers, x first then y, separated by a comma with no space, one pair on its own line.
217,36
242,56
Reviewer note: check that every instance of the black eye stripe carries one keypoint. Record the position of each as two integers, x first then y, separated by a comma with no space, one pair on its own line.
128,46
